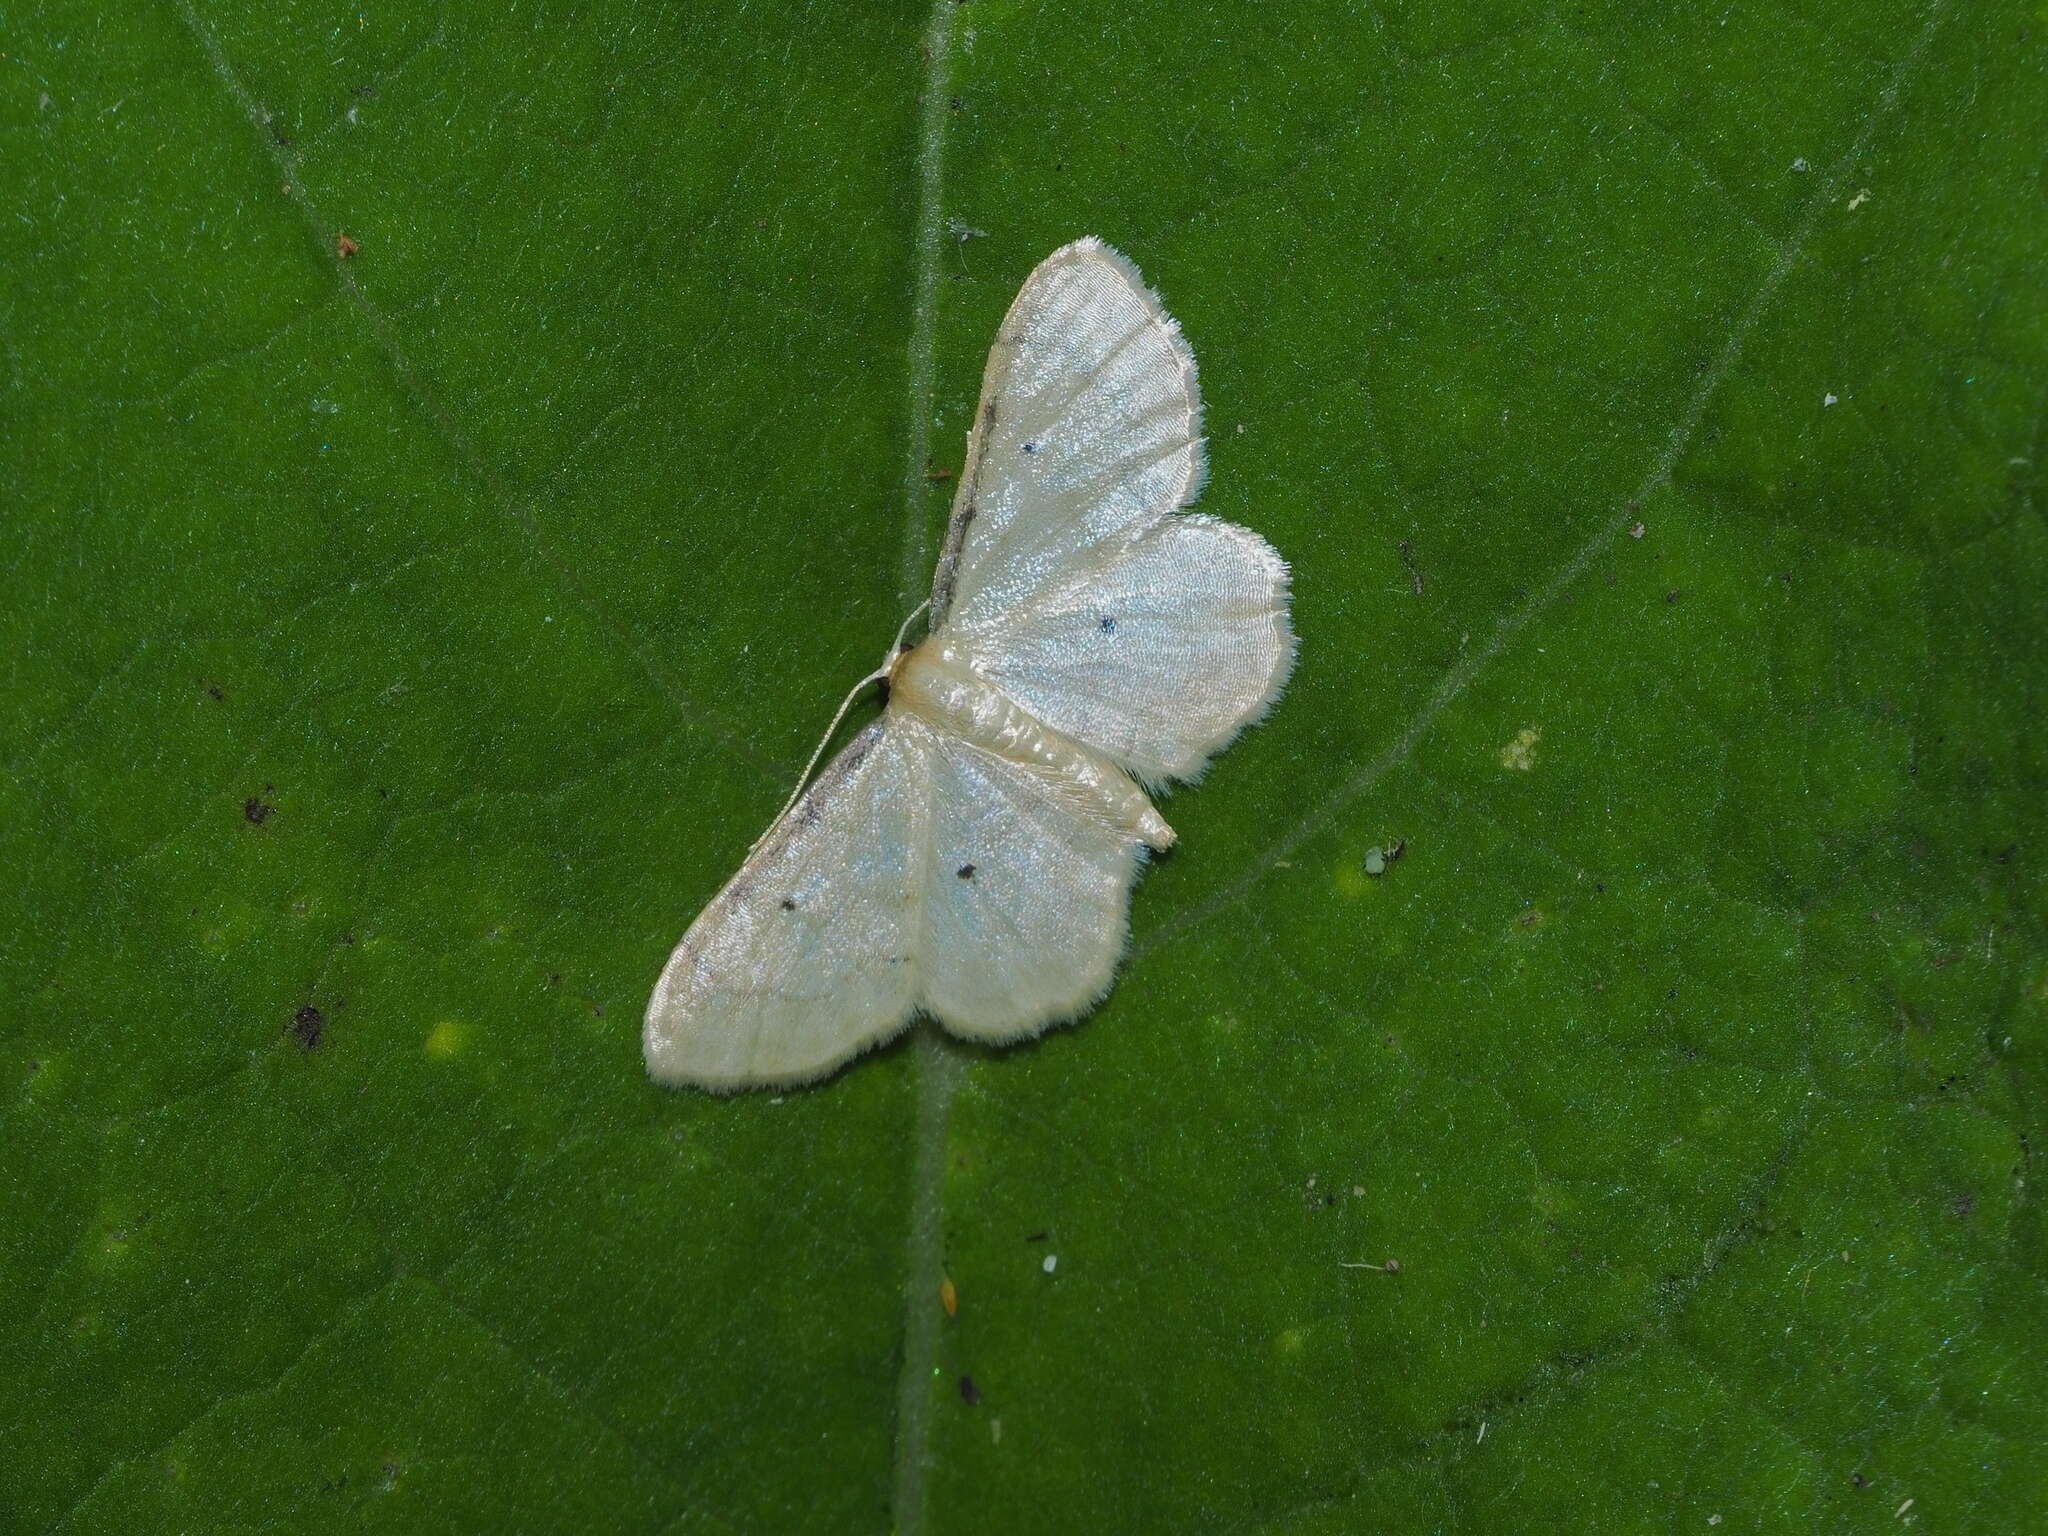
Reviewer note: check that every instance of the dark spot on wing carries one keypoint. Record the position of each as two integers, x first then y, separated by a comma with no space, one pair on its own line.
1031,447
988,412
307,1026
1108,625
788,905
965,871
857,753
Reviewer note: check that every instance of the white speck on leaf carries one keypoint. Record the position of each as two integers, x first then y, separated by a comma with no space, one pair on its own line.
1052,1262
1519,755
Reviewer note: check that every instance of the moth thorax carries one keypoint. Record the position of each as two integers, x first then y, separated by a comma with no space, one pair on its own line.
938,682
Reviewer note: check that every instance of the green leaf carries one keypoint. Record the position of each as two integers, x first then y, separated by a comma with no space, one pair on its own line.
402,645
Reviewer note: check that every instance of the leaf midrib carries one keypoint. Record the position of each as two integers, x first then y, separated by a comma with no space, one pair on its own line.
939,1071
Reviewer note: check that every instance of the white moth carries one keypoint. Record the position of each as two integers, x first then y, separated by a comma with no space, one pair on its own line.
970,854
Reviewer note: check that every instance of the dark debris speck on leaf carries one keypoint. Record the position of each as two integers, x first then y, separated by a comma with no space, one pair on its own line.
307,1026
970,1394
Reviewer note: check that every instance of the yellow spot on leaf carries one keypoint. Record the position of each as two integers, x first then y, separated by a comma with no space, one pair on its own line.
446,1038
1291,1341
116,1231
1519,755
949,1296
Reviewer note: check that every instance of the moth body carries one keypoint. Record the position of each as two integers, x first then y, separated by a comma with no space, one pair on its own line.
939,684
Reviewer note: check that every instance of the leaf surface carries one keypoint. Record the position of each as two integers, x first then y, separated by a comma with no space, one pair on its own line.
452,462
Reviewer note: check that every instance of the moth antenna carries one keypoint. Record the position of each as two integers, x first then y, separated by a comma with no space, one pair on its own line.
896,648
803,779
